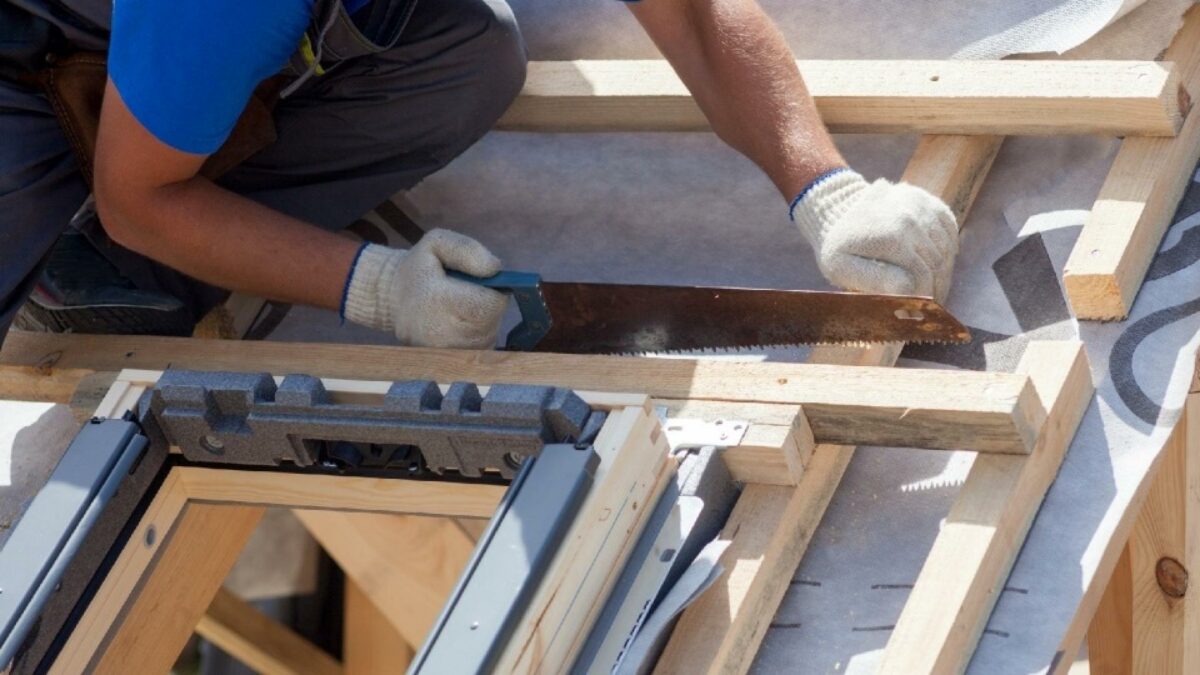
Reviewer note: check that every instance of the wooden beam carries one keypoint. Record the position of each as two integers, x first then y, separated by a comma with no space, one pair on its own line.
30,383
772,455
771,452
258,641
633,471
988,412
974,551
406,565
1111,559
721,631
1136,203
122,579
953,168
769,530
370,644
472,527
1110,635
1115,98
1147,619
160,615
343,493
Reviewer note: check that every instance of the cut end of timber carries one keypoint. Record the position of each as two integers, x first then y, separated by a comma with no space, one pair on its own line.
1054,367
1096,297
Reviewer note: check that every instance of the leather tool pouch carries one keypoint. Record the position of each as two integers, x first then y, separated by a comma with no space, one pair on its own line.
74,85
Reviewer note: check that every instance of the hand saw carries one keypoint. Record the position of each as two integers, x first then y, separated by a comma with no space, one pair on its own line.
592,318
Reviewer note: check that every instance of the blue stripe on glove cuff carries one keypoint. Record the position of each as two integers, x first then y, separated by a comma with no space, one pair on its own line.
817,181
349,276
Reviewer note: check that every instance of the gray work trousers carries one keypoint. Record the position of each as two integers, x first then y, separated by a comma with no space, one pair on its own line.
347,140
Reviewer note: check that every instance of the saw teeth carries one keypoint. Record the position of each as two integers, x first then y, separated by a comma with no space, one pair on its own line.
737,349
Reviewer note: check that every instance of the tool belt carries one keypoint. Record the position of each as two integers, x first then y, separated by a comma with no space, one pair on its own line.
74,84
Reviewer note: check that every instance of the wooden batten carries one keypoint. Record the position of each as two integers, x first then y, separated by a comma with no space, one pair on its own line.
987,412
1136,203
1116,98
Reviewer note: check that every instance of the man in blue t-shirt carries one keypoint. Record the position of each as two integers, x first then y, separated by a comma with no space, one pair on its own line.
379,94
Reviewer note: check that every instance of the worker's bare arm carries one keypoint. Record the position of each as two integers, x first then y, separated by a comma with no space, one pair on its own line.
739,68
151,200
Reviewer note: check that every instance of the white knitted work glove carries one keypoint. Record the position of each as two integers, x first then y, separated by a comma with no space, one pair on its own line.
879,237
409,293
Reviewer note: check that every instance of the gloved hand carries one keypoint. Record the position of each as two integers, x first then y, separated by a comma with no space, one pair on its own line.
879,237
409,293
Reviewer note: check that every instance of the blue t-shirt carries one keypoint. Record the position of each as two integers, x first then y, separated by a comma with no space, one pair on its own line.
185,68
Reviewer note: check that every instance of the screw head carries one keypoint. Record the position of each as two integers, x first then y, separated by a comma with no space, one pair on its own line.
212,444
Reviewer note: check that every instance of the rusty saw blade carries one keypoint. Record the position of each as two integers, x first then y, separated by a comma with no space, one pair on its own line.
593,318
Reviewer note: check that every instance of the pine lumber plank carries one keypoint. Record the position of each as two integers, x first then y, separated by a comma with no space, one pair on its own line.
1110,558
974,551
987,412
1166,528
341,493
1136,203
574,630
633,470
772,454
773,414
370,645
166,606
1146,623
953,168
769,453
770,529
258,641
472,527
721,632
406,565
930,97
30,383
1110,635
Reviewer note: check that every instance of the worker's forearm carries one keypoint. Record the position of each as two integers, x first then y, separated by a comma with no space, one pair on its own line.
739,68
227,240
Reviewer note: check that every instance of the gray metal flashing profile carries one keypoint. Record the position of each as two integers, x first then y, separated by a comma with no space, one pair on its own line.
53,528
508,562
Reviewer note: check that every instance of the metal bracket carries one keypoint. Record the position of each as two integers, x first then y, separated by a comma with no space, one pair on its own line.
686,433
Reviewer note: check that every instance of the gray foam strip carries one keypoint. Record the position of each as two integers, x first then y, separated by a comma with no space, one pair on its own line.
240,418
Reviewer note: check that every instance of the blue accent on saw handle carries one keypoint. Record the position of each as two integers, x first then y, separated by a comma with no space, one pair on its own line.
526,289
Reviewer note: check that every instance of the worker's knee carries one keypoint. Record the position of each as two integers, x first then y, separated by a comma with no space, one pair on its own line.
498,59
506,54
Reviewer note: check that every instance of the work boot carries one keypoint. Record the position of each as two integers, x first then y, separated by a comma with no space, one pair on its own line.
80,291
